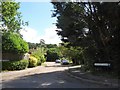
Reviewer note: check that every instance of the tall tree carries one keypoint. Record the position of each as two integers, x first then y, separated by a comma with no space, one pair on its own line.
11,18
42,42
91,25
10,24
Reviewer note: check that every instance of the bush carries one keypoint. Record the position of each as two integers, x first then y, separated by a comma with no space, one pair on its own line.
32,61
90,57
14,65
13,43
40,57
39,62
52,54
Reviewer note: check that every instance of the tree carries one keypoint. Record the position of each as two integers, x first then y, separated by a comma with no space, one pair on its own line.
51,45
69,21
52,54
74,54
11,18
32,45
11,23
92,26
42,41
105,30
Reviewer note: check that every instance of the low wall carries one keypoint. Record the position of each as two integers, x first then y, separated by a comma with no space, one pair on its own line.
14,56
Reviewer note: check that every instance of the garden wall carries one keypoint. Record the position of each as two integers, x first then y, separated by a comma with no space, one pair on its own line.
14,56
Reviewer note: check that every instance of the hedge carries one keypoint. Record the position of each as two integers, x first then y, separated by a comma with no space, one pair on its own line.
13,43
15,65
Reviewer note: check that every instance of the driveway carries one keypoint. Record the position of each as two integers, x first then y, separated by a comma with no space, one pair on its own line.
51,76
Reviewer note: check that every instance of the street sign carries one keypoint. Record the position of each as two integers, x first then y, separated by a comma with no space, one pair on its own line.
102,64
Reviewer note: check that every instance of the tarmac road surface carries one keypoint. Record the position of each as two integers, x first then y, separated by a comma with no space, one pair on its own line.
51,76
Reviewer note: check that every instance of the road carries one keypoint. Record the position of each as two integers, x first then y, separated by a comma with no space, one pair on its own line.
51,76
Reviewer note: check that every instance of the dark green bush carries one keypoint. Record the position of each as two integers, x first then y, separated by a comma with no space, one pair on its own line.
13,43
15,65
52,54
90,57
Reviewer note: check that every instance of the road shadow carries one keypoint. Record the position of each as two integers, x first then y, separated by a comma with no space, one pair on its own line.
101,77
55,79
42,80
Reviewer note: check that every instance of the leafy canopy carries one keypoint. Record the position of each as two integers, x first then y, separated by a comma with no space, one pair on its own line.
11,17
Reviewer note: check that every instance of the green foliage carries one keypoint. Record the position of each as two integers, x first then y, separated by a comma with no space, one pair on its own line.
36,45
32,61
72,53
39,55
90,57
38,58
14,65
0,42
32,45
69,21
51,45
13,43
42,58
52,54
92,26
11,18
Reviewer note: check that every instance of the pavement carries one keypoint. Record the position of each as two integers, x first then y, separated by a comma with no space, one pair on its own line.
75,72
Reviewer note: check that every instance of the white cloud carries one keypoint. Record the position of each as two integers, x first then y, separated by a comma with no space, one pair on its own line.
50,35
29,34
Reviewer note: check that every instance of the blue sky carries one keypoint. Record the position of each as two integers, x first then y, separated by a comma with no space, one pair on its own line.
38,14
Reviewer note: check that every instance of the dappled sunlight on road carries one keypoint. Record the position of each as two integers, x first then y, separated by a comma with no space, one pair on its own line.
61,81
46,84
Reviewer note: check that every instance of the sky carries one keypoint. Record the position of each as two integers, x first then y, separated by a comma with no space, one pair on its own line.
41,24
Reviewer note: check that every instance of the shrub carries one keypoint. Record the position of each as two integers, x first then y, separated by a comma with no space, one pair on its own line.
13,43
52,54
40,57
32,61
39,62
14,65
90,57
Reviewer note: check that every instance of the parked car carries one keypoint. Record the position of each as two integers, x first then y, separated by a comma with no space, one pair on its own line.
64,62
58,61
